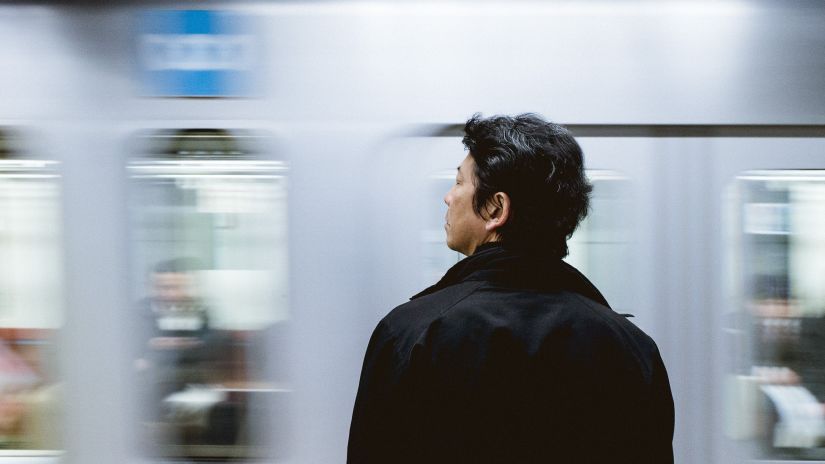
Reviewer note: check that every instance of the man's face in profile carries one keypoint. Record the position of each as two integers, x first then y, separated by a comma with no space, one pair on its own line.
465,229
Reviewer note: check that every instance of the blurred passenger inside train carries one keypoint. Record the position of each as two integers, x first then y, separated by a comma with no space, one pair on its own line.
179,349
513,356
176,325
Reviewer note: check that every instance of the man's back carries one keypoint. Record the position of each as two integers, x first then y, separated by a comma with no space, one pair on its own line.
511,359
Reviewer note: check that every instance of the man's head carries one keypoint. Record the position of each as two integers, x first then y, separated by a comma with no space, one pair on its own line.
173,281
522,184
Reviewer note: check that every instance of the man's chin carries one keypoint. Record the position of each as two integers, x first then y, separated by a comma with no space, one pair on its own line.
456,249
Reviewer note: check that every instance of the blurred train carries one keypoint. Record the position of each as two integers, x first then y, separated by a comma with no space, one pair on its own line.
206,206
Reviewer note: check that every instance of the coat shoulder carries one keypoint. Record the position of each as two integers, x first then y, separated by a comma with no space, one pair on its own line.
416,315
564,326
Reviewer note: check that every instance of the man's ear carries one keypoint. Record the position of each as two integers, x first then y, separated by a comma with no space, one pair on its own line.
498,211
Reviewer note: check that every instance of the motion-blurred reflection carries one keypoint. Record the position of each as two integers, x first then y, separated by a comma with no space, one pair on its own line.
209,231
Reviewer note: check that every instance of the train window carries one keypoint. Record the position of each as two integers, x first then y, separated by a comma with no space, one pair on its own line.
210,291
600,247
776,393
31,296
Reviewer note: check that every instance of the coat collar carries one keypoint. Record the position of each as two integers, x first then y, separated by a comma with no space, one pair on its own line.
498,264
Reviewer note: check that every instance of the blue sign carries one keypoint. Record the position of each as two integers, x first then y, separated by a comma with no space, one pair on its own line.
197,53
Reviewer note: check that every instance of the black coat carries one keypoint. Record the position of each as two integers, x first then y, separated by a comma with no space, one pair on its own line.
511,359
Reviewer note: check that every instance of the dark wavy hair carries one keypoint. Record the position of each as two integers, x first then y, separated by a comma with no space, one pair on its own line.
540,166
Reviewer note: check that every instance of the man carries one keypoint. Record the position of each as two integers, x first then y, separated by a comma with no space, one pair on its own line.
513,356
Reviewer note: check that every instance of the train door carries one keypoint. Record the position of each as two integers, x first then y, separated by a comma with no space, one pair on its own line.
209,289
